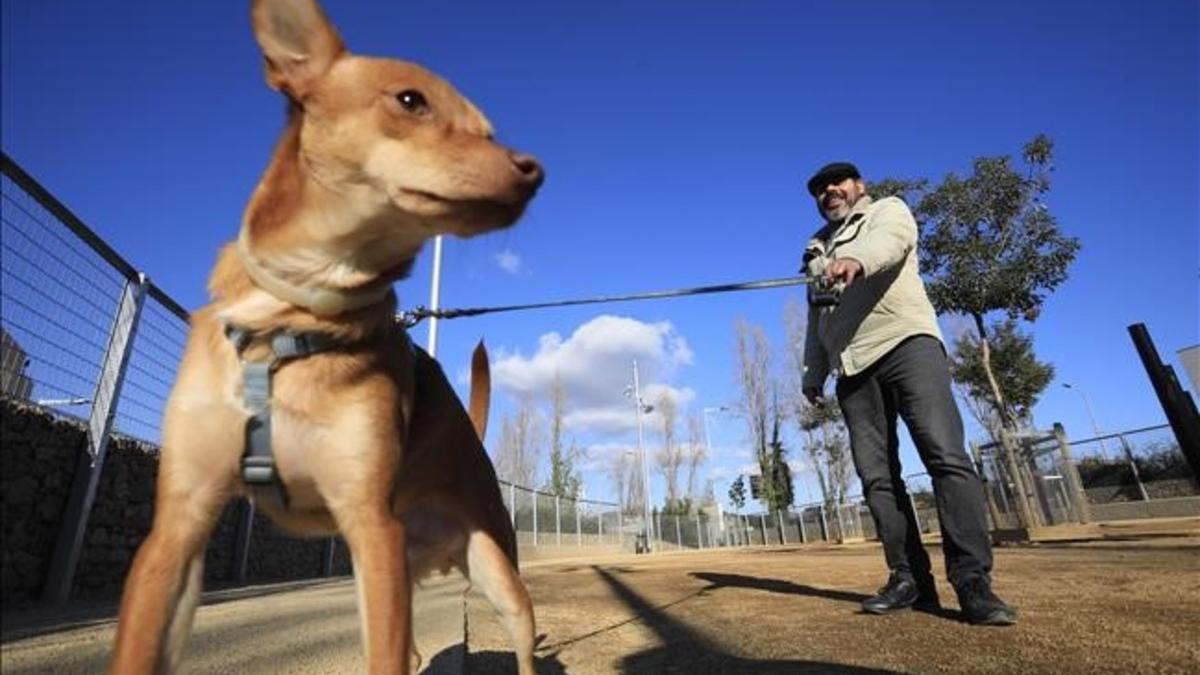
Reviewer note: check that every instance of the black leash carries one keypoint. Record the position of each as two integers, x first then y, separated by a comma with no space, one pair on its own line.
413,317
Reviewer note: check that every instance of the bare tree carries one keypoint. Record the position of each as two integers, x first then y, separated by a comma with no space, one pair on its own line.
564,479
520,445
823,432
619,472
697,454
762,416
670,456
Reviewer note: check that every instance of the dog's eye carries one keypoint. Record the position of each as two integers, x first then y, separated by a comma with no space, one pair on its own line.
413,101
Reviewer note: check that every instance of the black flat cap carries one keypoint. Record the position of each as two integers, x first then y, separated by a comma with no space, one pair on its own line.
831,173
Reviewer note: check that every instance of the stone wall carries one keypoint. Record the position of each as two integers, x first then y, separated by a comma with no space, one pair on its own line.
38,453
39,456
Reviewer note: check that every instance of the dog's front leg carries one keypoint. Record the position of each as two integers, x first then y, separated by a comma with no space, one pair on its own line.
163,588
377,546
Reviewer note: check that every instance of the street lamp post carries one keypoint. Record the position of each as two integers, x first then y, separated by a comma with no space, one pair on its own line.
641,407
1091,415
435,294
708,447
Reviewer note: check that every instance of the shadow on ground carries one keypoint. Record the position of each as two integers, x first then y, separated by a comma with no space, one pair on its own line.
456,661
684,650
717,580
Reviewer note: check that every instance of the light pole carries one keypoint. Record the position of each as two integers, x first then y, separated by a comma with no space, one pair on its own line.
435,294
708,447
1088,405
707,433
641,407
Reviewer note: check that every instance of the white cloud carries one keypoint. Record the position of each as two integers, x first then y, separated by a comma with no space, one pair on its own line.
510,262
595,365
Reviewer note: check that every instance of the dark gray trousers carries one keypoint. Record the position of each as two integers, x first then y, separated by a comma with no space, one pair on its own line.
913,382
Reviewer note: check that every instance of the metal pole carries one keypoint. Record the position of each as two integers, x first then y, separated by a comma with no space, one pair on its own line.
1137,477
916,514
1176,403
242,538
637,397
699,535
1087,404
512,500
327,568
435,296
69,545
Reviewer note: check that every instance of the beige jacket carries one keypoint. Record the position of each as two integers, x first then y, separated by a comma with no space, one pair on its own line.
882,307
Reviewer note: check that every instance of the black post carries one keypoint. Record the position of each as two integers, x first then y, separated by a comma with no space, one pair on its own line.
1177,403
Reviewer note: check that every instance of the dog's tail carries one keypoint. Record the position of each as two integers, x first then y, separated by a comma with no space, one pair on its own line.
481,389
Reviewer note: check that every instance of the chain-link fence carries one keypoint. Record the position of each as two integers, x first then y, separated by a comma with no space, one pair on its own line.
547,523
64,311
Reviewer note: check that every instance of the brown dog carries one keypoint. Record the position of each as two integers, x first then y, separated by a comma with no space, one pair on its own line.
367,436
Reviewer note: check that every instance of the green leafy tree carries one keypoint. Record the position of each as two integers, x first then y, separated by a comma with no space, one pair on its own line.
1018,372
990,244
737,493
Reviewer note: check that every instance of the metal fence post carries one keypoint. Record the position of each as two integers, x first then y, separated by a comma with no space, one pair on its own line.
512,501
600,527
241,539
699,534
557,523
1137,477
327,568
916,515
69,546
1071,474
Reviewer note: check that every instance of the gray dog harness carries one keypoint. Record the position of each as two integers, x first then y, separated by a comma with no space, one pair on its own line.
258,459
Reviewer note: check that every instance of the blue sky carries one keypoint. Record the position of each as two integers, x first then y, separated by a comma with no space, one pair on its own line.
676,137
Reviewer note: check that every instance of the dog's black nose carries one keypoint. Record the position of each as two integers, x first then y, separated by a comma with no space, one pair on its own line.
529,168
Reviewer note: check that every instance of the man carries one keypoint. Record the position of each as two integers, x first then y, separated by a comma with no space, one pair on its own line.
882,342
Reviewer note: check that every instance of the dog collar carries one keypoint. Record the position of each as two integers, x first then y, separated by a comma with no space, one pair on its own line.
317,300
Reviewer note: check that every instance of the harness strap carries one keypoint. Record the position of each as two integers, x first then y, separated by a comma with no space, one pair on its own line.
258,459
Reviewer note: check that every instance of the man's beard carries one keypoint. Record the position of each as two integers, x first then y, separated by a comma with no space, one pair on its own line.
838,214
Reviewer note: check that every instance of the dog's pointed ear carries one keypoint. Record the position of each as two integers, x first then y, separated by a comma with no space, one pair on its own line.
298,43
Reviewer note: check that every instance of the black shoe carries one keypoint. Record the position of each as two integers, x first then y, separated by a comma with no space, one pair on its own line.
980,605
900,592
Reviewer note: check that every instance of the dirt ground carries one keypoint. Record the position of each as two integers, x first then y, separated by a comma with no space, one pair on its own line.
1128,604
1111,599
